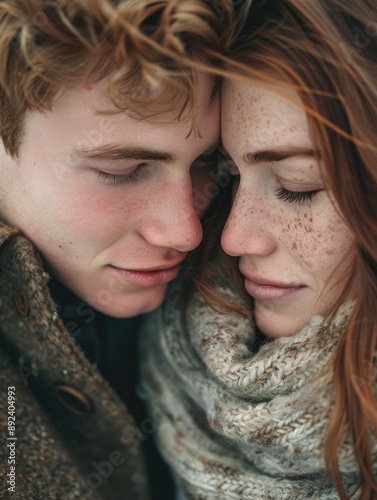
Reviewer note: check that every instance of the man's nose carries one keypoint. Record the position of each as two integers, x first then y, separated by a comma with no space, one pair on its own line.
174,222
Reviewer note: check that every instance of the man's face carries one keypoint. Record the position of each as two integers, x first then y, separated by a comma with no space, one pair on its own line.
108,199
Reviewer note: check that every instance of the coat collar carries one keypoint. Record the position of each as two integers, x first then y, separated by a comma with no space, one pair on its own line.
6,232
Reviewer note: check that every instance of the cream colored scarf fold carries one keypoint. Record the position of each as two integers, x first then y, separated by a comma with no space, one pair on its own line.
237,424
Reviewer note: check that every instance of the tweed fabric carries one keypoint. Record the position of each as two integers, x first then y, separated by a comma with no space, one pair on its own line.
233,423
94,454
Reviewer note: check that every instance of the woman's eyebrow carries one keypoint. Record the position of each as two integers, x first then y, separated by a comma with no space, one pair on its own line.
279,154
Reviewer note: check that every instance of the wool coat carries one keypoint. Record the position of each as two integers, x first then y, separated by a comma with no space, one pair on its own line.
73,436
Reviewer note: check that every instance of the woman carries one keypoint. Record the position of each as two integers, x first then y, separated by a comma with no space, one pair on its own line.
279,402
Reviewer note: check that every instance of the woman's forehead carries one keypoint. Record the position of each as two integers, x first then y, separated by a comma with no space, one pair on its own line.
259,117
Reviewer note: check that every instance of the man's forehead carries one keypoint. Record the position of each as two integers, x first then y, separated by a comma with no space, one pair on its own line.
207,90
82,123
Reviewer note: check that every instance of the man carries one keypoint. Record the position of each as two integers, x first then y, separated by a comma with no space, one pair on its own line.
107,132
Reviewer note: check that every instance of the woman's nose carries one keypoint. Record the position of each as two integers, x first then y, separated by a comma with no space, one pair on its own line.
248,230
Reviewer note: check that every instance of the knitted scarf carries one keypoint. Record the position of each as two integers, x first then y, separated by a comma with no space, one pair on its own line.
233,423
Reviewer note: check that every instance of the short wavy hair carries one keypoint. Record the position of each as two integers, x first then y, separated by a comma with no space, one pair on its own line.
48,47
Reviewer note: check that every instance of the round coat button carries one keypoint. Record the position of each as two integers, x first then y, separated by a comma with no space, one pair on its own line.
73,399
22,302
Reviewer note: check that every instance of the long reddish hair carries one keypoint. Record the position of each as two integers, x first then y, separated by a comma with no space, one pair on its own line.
327,50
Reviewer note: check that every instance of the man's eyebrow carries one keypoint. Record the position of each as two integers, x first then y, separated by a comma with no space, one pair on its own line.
274,155
113,152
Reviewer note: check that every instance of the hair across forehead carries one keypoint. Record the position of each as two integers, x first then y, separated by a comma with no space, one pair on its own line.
310,47
146,49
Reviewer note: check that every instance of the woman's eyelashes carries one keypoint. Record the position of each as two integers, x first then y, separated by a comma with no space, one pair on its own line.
281,193
296,196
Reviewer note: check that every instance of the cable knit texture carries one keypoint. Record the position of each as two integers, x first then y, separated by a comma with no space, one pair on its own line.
237,424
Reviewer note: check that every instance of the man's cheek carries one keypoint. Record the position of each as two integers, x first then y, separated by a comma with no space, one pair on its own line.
88,218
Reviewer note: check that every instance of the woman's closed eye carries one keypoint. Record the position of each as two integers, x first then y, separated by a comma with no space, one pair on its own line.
296,196
304,195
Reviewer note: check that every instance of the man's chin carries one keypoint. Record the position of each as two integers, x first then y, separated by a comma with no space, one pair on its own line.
133,304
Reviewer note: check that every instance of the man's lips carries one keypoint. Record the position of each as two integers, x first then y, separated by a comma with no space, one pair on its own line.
152,276
268,290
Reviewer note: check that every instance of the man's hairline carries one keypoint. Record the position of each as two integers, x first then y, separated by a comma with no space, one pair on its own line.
216,86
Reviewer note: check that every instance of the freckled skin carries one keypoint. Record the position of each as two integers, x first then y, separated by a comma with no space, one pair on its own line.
81,224
294,243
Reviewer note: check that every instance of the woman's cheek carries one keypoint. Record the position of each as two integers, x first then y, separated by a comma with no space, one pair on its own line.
324,246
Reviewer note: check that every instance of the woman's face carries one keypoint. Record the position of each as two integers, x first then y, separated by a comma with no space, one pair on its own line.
290,240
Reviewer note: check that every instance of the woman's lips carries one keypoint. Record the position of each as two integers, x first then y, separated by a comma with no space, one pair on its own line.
270,291
147,278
